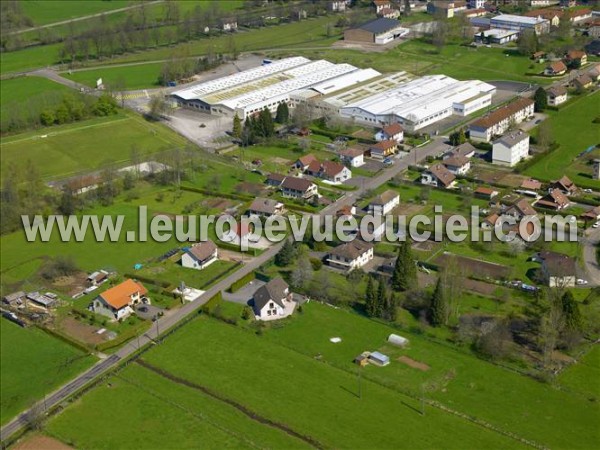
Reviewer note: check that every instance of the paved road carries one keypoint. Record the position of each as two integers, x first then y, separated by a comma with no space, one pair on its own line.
168,321
590,244
77,19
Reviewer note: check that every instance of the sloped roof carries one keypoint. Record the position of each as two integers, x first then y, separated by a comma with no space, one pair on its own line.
379,26
565,183
119,296
264,205
583,80
307,159
393,129
384,145
531,184
202,250
485,191
351,250
557,91
443,175
557,66
327,168
456,161
557,264
274,290
524,207
503,113
575,54
297,184
352,152
385,197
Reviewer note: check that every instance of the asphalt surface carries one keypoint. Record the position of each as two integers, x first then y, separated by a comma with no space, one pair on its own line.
169,321
590,243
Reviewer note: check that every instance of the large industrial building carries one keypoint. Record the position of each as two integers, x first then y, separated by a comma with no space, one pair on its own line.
363,95
378,31
418,103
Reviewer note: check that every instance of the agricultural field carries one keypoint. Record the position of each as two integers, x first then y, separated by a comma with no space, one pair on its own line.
299,404
132,77
16,89
577,115
33,364
583,377
67,150
44,12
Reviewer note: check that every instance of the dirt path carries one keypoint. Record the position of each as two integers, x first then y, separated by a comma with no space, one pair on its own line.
252,415
78,19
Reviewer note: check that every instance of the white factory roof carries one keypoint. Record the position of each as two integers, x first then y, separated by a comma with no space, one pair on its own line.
517,19
240,78
345,81
422,97
498,33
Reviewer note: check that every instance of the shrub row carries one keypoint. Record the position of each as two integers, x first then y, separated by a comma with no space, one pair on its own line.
212,303
237,285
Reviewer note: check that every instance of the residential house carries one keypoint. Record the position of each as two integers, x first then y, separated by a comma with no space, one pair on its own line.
476,4
558,270
118,302
346,212
389,13
458,165
446,9
531,184
83,184
490,221
498,121
303,162
384,203
293,187
539,3
583,82
510,149
565,185
557,95
555,68
577,58
200,255
485,193
275,179
337,5
331,171
350,255
520,209
353,157
229,24
273,300
551,15
393,132
580,15
538,56
380,5
554,199
592,214
265,207
567,3
438,176
465,150
594,73
479,12
383,149
593,48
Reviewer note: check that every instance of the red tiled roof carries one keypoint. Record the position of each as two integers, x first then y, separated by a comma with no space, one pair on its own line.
119,296
503,113
393,129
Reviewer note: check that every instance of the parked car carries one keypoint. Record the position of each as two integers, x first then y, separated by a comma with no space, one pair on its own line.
596,225
388,161
581,282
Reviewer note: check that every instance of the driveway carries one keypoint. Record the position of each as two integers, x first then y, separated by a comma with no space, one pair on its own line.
590,243
245,294
147,312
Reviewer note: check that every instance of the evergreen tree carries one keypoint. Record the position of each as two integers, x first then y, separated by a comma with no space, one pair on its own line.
405,270
439,305
393,308
283,113
286,255
237,127
571,311
541,100
265,123
381,302
370,298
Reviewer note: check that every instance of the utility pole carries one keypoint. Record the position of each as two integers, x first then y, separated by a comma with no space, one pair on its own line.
359,374
422,399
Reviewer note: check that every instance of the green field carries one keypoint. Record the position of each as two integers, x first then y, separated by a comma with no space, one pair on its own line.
17,89
585,375
312,398
70,149
574,130
132,77
165,413
44,12
33,365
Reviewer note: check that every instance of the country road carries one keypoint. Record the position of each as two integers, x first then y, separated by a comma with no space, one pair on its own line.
78,19
169,321
590,244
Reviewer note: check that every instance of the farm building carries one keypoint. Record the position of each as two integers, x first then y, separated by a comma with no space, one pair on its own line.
379,359
378,31
398,340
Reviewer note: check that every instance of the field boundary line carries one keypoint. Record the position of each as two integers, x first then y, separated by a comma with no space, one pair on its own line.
243,409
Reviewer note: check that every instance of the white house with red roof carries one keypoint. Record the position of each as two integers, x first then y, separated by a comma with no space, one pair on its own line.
118,301
393,132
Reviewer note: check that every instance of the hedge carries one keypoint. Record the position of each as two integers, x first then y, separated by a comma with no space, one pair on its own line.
217,194
152,281
237,285
211,304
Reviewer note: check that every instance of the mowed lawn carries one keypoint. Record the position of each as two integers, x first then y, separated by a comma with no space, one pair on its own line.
585,375
33,365
164,415
574,130
44,12
312,398
16,89
131,77
69,149
503,398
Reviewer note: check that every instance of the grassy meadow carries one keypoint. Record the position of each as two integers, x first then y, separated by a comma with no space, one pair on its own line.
44,12
33,364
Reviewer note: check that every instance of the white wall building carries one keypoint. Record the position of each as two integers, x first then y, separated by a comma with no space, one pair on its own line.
384,203
498,122
421,102
520,23
510,149
351,255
